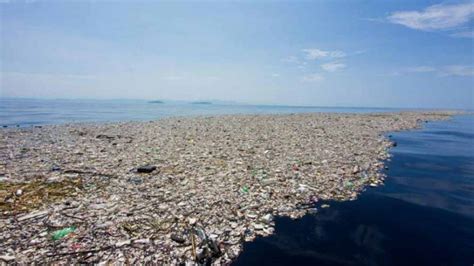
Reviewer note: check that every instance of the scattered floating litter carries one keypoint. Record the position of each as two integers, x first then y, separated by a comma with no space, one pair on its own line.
178,238
267,218
179,191
123,243
146,169
59,234
7,258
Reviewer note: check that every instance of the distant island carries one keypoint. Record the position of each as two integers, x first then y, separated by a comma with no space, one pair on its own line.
156,101
201,102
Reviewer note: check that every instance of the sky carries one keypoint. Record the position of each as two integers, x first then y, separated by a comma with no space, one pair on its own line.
312,53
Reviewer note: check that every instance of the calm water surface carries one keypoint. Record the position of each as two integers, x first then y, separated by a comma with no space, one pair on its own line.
28,112
424,215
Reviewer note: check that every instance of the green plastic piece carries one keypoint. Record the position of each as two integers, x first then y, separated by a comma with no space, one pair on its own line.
59,234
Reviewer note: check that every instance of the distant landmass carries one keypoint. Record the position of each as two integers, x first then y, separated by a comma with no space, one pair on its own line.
156,101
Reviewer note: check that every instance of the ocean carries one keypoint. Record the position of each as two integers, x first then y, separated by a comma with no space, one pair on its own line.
30,112
423,215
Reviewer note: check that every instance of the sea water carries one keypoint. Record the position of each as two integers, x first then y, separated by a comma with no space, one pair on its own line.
29,112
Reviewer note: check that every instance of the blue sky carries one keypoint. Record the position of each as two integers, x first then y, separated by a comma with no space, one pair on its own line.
324,53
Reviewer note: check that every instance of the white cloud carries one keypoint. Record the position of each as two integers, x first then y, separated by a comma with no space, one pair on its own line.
333,66
275,75
457,70
313,77
313,54
436,17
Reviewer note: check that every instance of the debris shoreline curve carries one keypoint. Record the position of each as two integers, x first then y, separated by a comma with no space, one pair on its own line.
180,190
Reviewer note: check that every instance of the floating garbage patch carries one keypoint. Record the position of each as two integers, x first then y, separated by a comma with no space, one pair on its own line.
26,196
179,190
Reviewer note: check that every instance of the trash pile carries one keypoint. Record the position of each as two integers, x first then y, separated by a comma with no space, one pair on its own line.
179,190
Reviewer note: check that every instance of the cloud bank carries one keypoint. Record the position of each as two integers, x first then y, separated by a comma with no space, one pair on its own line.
313,54
333,66
438,18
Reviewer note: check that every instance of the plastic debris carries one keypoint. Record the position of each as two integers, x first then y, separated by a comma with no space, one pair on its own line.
146,169
7,258
59,234
267,218
178,238
206,183
244,189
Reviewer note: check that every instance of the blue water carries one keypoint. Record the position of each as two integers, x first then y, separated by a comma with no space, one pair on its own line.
423,215
28,112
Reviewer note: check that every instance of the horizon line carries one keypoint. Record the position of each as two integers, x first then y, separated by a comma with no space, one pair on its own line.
236,103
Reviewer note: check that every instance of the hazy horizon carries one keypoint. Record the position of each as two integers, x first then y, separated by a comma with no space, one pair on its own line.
236,103
402,54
